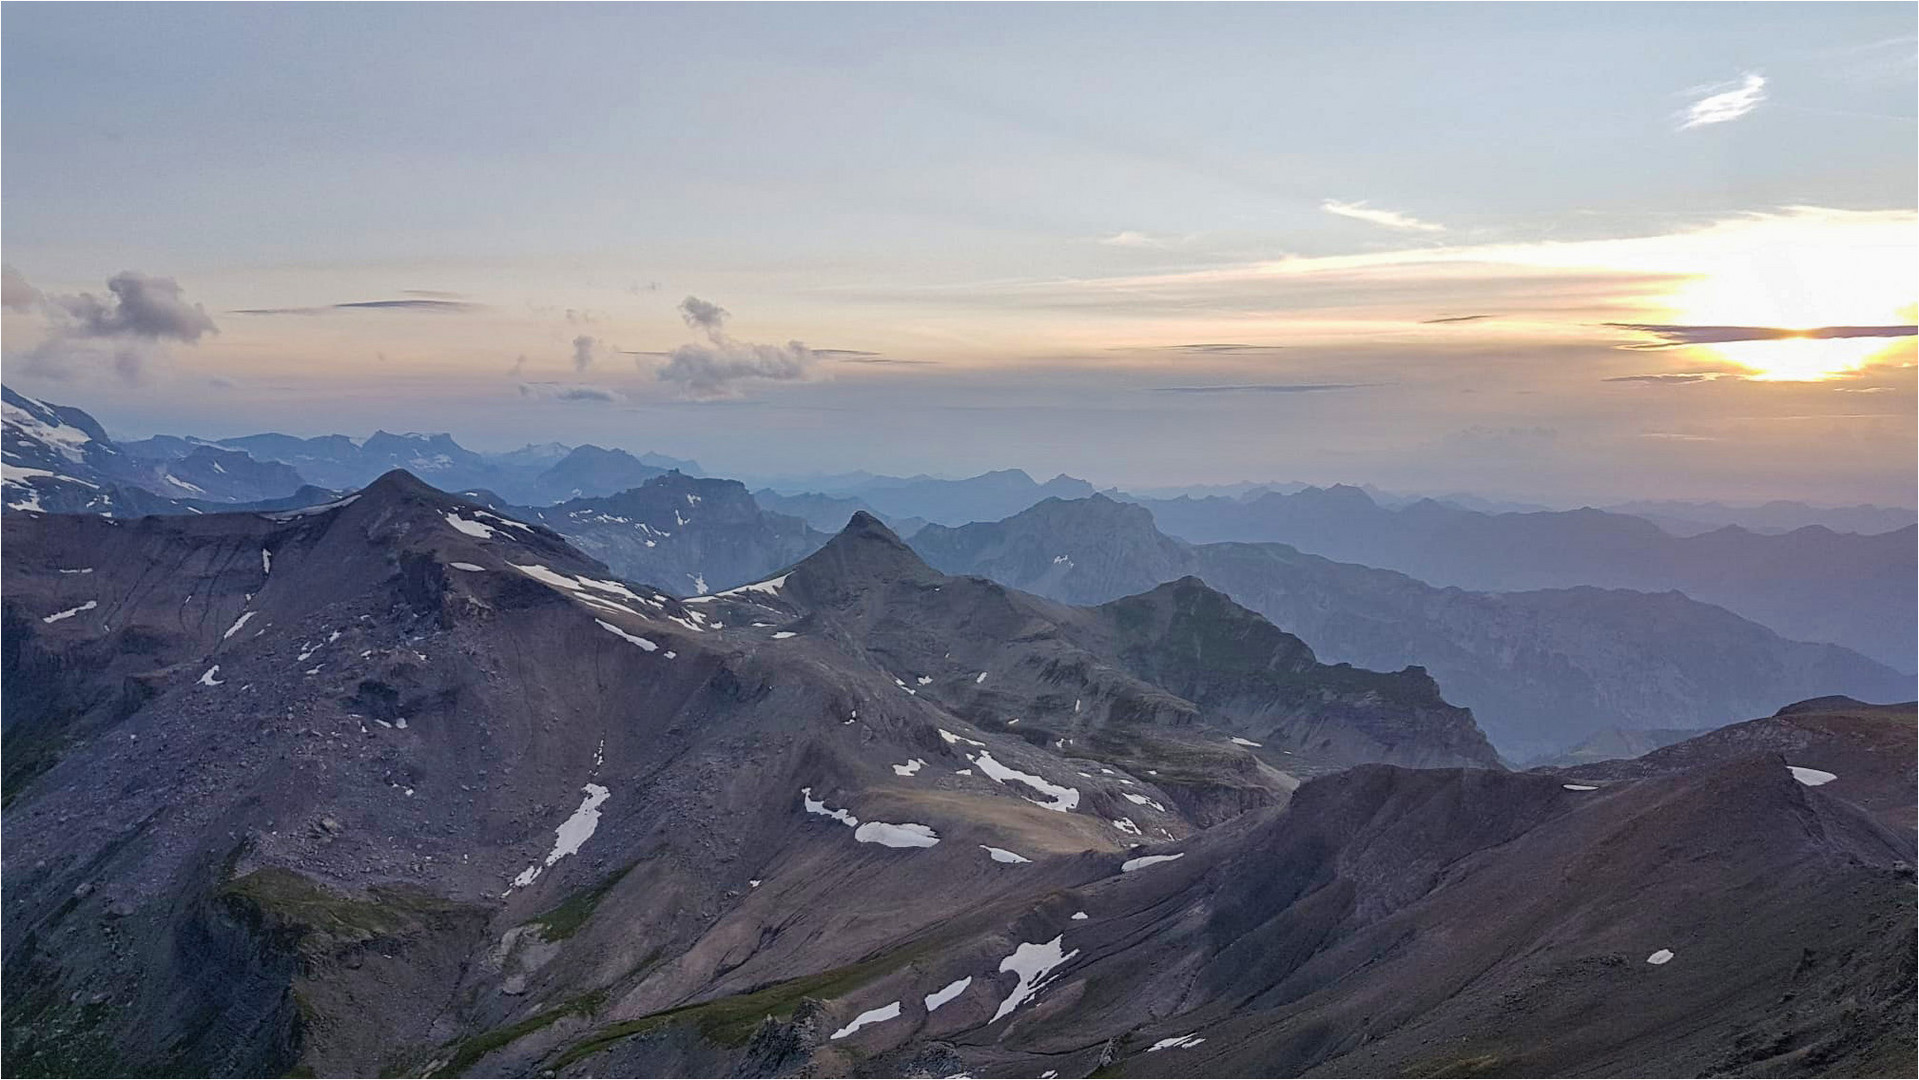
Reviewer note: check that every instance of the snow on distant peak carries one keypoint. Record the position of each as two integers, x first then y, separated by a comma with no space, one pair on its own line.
478,529
771,587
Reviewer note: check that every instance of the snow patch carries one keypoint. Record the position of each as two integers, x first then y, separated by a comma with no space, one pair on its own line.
573,832
980,678
870,1016
1141,800
1033,962
947,993
208,678
1237,741
1579,787
952,738
71,612
1177,1042
467,566
640,641
896,836
814,806
783,635
1812,777
478,529
1659,957
912,766
1062,799
1000,854
237,624
1145,861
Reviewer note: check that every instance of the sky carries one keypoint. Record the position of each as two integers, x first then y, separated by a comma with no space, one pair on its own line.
1561,252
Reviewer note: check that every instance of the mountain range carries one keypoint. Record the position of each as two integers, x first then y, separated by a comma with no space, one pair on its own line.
1810,584
402,784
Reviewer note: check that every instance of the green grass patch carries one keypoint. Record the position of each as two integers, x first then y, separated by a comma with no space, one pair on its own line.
731,1021
468,1052
566,920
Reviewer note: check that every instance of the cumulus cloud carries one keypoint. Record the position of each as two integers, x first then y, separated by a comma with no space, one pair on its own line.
701,315
1391,219
134,320
583,352
1726,102
546,391
16,292
712,370
137,306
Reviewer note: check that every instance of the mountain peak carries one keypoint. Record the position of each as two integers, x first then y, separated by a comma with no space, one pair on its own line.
865,551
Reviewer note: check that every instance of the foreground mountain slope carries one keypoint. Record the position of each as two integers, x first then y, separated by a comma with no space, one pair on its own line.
1674,926
402,784
1810,584
1542,670
1860,752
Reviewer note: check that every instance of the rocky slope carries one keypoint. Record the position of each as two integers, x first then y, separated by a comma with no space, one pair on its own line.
1860,752
1542,670
401,784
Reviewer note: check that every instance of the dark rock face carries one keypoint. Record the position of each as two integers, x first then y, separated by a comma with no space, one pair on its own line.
1541,670
404,785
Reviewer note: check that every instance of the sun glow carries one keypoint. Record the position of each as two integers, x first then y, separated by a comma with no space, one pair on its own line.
1801,274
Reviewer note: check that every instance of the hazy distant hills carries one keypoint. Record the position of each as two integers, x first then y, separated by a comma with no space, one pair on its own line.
1693,518
1541,669
1811,584
986,497
58,459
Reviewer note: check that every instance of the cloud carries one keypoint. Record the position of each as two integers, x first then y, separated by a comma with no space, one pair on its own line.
1679,378
546,391
16,292
583,352
1457,319
1673,335
1132,238
701,315
138,306
1391,219
710,370
437,307
1260,388
1728,102
1216,348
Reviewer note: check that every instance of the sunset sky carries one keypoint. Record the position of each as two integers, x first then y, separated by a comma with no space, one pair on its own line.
1559,252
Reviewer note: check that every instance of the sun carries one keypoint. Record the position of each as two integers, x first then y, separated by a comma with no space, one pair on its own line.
1803,275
